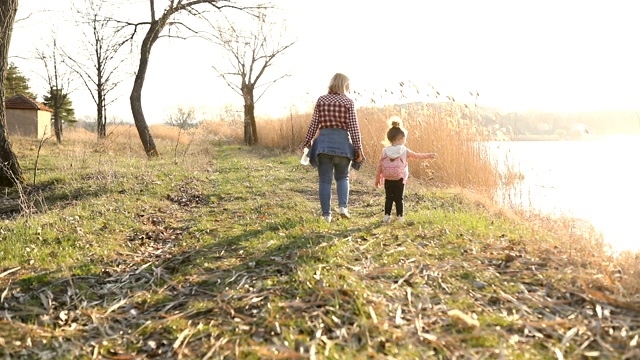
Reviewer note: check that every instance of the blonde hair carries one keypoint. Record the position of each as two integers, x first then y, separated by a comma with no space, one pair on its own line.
338,83
396,131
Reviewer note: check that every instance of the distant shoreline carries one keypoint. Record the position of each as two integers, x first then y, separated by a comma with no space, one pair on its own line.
555,138
568,138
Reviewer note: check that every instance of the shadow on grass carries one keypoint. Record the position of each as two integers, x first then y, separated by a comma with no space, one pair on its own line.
45,195
139,294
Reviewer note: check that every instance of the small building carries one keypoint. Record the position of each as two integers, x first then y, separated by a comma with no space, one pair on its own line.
27,117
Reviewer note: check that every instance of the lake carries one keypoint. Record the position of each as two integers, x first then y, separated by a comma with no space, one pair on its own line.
597,180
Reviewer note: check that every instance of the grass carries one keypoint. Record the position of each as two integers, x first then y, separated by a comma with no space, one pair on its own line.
222,254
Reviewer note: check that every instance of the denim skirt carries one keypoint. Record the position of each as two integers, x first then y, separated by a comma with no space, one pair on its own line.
331,141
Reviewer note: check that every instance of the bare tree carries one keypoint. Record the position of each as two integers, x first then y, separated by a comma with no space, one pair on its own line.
186,122
98,68
252,52
156,25
59,82
183,118
10,171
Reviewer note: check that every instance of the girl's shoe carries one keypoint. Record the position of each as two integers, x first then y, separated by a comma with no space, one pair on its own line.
386,219
327,218
400,219
344,213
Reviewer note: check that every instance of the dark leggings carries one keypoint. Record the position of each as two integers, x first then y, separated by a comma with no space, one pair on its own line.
394,193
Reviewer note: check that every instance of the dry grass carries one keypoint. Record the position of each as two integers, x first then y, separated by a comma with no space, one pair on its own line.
221,131
125,138
285,133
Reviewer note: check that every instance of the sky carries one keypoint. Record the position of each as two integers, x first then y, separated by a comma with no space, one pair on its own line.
560,55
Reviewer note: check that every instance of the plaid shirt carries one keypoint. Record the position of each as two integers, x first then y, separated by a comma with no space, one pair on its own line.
334,111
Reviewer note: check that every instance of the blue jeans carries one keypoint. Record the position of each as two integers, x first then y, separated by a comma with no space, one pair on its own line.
329,167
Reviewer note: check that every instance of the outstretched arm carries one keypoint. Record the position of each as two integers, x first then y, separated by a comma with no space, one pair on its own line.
415,155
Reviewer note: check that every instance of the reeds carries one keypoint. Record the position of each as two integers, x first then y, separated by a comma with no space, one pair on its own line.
448,129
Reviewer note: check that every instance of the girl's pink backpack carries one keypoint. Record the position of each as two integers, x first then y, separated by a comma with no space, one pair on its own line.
394,169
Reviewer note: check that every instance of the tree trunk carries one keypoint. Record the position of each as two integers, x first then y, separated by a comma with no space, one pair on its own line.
136,94
250,134
250,128
10,171
57,123
102,117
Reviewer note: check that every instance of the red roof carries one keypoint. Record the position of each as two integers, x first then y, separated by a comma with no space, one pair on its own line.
23,102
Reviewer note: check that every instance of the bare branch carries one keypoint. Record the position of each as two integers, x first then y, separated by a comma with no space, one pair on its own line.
59,82
102,59
250,53
155,30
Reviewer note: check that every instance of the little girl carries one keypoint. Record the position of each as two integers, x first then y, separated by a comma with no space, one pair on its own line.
393,169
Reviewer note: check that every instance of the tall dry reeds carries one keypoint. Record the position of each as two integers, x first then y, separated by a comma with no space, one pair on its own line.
284,133
448,129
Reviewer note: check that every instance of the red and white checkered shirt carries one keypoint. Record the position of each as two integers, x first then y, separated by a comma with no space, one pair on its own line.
334,111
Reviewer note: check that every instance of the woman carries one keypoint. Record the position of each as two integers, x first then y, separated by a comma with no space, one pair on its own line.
337,144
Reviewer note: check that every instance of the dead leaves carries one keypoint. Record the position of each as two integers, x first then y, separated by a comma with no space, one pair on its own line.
188,195
9,271
463,320
602,297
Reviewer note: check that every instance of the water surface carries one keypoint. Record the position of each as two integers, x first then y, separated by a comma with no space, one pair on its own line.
597,180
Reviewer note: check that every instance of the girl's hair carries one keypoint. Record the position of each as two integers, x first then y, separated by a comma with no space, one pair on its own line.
396,131
338,83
